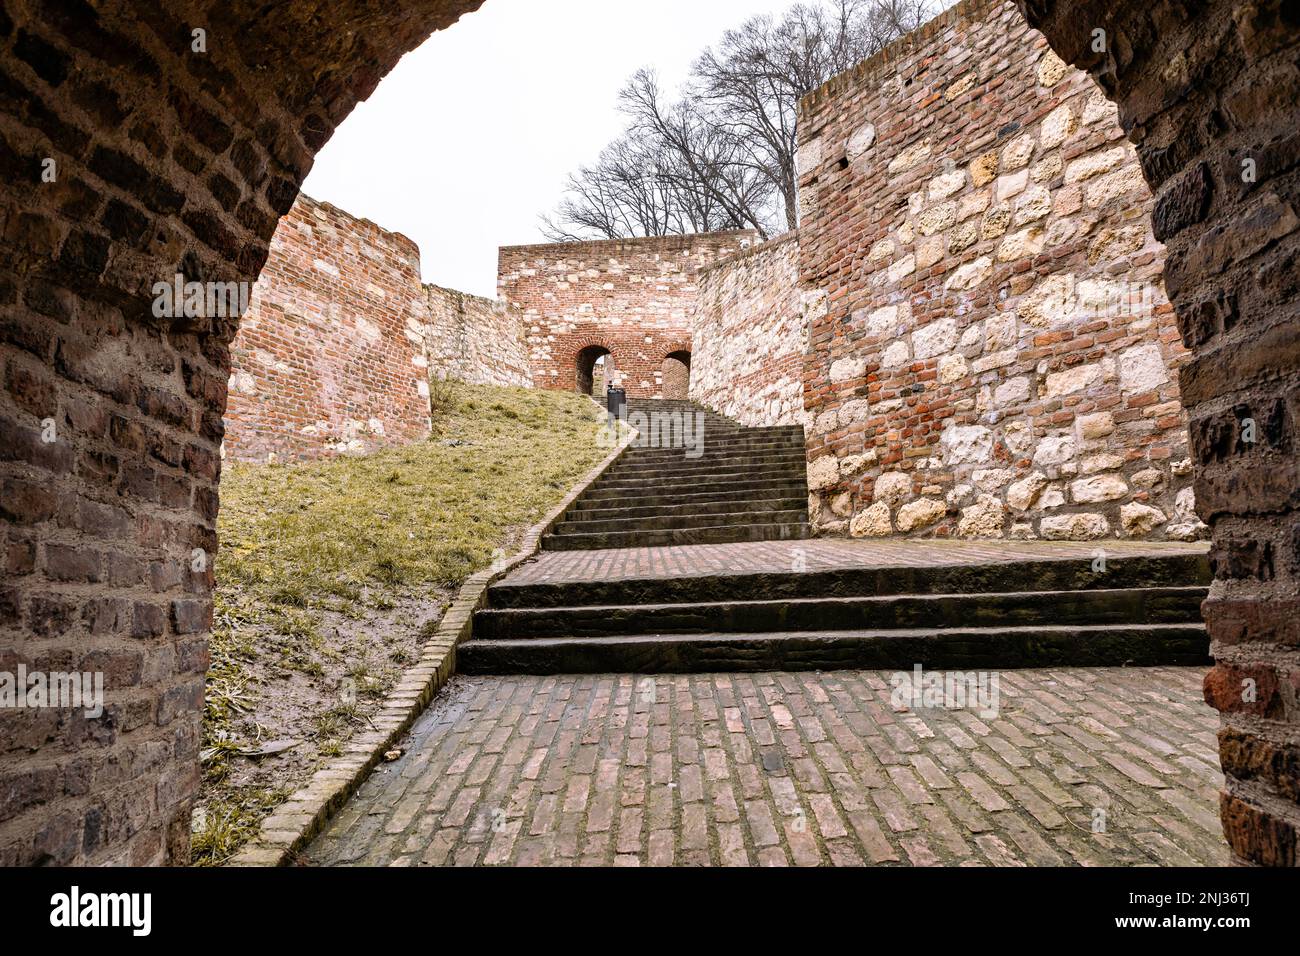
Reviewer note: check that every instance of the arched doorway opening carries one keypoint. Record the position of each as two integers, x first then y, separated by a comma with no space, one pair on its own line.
594,370
676,375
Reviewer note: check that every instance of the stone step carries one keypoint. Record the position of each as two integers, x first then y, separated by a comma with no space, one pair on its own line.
961,648
1015,609
685,536
730,449
737,492
712,505
690,469
1047,574
718,477
672,520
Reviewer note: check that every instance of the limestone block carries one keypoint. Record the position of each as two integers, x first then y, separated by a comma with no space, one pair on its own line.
1094,164
1021,245
895,356
945,184
893,487
872,522
973,203
1051,69
1097,425
1034,203
1022,494
854,465
962,444
971,275
983,169
1095,464
1050,302
952,368
992,479
1010,185
1139,519
963,236
936,218
1016,153
934,339
929,251
920,514
1142,368
1075,527
1011,392
848,369
1054,450
823,472
1098,488
909,158
882,250
996,222
1148,478
1074,380
983,519
861,141
1001,331
1046,169
1057,127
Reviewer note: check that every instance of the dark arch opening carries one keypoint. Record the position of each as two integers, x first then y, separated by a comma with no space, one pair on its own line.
676,375
595,370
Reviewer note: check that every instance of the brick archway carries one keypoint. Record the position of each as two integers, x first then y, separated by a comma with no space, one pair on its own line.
676,374
169,159
132,151
1209,98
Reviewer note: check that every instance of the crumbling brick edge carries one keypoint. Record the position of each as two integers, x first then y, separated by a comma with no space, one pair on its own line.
299,819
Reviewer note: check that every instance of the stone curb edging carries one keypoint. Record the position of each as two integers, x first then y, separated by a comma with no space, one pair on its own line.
296,821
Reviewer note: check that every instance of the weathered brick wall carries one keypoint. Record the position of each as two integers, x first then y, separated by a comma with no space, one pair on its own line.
633,297
994,353
751,335
166,159
329,357
1212,98
476,340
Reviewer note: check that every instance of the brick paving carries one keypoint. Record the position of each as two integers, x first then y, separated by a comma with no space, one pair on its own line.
823,554
795,769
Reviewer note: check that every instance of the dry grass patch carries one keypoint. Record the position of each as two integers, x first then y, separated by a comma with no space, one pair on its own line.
331,575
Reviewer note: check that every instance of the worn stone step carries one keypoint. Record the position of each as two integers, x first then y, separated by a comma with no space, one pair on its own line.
1047,574
963,648
687,456
739,491
646,539
711,505
720,478
691,469
1016,609
671,520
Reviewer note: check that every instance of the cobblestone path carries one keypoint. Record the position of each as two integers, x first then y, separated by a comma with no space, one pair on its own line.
1079,766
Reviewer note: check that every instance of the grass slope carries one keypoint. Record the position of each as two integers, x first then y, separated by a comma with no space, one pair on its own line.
331,575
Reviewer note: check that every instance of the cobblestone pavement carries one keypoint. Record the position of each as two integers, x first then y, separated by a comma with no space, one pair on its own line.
795,768
824,554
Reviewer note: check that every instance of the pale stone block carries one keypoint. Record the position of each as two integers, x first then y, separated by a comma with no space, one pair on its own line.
893,487
961,444
1098,488
1076,527
1097,425
1057,127
1017,152
872,522
1012,392
823,472
896,355
1074,380
983,169
1139,519
1054,450
952,368
920,514
983,519
1051,69
1022,494
848,369
934,339
971,275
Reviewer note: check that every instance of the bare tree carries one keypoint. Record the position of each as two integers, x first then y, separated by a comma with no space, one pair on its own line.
722,153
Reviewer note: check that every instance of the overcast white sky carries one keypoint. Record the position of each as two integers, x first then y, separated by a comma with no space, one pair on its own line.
471,137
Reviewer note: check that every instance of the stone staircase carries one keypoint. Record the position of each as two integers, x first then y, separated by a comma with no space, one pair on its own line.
1056,612
739,484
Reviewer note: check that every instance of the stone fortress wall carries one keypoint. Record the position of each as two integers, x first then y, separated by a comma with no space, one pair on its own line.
340,339
970,321
751,335
634,297
991,351
472,339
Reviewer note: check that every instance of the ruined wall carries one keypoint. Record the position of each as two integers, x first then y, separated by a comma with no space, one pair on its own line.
751,335
634,297
476,340
993,352
326,359
1212,97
